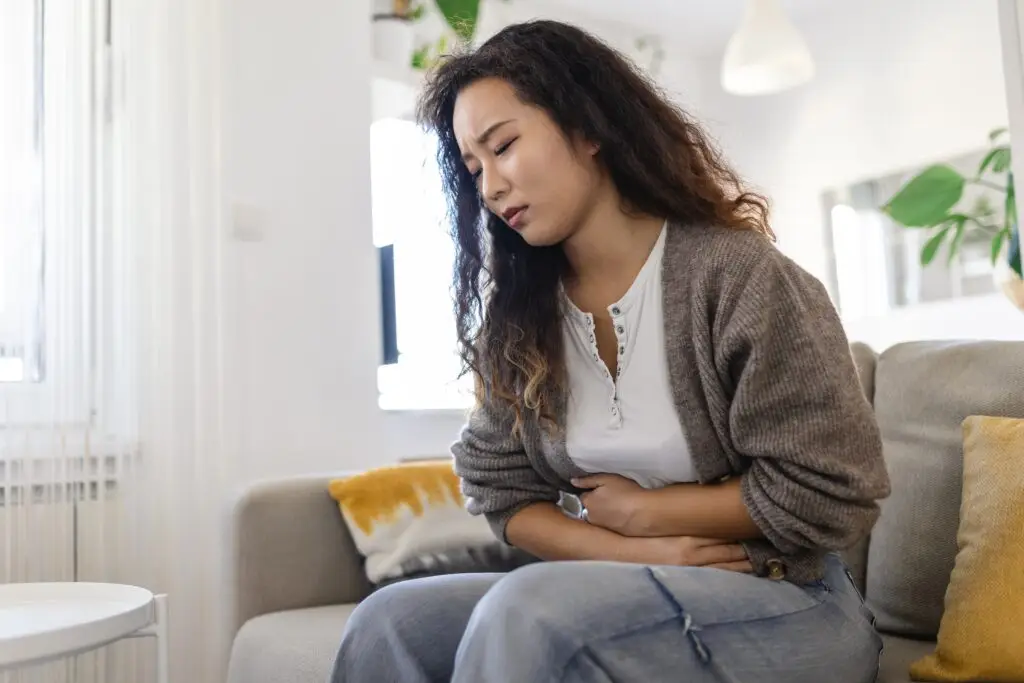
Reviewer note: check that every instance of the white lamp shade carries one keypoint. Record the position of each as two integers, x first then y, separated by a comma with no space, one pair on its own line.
766,54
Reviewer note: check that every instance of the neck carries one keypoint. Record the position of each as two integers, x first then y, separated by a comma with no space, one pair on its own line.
611,243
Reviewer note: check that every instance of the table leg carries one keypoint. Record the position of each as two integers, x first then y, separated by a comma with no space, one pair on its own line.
159,630
162,645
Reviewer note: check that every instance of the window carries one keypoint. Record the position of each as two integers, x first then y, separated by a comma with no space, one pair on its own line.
54,135
410,229
21,191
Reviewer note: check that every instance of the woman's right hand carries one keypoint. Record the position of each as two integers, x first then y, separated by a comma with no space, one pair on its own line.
691,551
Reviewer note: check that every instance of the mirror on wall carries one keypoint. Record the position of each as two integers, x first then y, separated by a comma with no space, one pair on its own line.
876,265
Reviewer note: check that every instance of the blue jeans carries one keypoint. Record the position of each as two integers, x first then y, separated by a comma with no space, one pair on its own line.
605,622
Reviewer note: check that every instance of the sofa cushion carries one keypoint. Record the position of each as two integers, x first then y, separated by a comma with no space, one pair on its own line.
865,360
923,392
980,637
410,520
897,654
296,646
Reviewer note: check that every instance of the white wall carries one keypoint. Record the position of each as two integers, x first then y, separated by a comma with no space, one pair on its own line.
898,85
678,74
303,325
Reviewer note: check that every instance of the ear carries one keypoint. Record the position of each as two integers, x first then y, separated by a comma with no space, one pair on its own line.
583,146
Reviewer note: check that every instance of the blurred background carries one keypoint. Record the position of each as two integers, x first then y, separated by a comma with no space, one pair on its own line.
224,257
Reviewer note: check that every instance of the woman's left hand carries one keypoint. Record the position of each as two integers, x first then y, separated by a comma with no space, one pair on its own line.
612,502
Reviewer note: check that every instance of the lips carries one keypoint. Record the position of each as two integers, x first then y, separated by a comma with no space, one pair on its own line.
513,215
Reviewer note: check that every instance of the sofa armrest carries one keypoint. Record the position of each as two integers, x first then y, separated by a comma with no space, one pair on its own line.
291,549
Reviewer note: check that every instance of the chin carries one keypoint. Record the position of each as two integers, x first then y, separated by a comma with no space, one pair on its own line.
541,236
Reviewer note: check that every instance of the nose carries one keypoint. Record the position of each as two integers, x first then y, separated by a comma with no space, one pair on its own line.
492,185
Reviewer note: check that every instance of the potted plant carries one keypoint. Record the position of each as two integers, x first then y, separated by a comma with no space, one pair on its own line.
931,201
393,34
461,17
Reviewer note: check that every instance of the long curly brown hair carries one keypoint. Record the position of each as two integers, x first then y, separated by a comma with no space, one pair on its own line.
508,312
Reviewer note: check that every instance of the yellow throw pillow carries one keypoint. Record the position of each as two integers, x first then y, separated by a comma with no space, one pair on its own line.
981,636
400,516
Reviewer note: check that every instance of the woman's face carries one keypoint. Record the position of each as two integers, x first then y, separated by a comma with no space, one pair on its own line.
528,174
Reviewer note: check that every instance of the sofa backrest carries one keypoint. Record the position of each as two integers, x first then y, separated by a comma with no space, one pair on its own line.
921,393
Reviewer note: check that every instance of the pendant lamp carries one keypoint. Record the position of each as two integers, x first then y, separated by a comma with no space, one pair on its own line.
767,54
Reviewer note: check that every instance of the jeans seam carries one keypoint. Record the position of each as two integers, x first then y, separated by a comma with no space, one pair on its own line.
664,590
587,645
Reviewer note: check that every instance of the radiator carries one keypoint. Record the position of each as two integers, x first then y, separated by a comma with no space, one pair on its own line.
66,521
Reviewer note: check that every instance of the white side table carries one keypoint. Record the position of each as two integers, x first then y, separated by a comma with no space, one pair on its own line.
41,622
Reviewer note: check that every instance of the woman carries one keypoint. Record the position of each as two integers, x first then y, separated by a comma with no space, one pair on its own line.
639,342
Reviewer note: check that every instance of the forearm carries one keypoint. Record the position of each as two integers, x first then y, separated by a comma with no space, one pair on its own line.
544,531
711,511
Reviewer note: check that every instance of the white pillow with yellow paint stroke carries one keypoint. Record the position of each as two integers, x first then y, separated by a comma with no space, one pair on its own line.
402,512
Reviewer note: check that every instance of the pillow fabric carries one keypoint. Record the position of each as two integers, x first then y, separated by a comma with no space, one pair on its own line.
492,557
980,635
410,520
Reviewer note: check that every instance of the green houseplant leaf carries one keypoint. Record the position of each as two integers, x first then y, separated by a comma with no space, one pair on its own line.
926,200
998,158
997,244
421,57
1013,227
997,133
461,15
931,247
1014,251
959,225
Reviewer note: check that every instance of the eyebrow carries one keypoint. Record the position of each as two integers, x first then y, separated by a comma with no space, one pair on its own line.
485,136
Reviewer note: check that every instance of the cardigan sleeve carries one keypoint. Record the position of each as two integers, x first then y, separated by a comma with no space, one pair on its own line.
497,477
798,412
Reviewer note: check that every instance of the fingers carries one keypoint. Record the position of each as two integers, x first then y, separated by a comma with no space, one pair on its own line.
589,482
719,554
697,542
744,566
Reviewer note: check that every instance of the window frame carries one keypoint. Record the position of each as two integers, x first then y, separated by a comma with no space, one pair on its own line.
420,383
65,391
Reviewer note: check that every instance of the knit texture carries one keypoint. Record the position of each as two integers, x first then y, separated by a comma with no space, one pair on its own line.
765,388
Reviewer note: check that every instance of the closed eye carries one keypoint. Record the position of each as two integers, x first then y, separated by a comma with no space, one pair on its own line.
499,150
504,147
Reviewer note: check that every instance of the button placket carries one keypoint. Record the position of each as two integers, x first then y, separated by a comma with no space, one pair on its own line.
594,352
620,329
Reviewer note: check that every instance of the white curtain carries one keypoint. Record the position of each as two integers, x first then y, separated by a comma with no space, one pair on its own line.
113,457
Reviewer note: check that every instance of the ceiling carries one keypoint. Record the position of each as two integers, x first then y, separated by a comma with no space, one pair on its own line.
696,26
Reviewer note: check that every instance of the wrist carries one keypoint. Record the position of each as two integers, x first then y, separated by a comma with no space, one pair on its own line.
629,549
641,516
647,550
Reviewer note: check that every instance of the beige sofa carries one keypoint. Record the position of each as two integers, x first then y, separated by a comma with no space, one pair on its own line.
297,575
